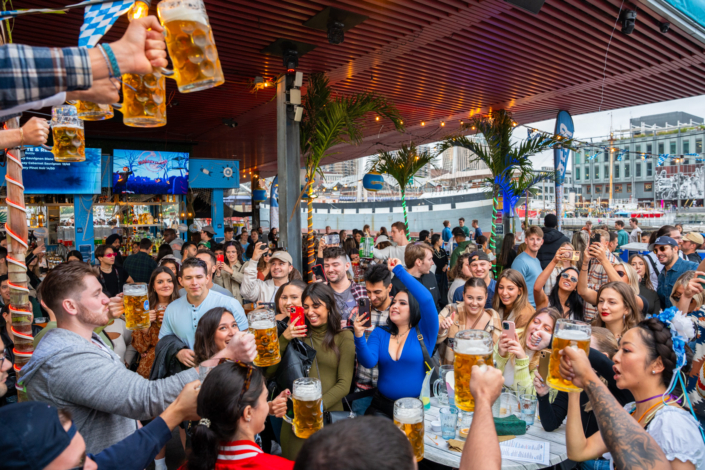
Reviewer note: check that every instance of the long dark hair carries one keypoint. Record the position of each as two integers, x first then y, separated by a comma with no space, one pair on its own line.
295,283
219,401
414,314
574,303
507,247
238,248
152,292
204,345
320,293
164,249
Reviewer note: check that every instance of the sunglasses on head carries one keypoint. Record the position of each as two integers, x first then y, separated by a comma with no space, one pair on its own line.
677,298
568,276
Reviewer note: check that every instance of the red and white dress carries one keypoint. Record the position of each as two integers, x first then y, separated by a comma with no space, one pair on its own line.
248,455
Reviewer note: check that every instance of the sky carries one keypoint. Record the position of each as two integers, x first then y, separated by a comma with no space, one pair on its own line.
597,125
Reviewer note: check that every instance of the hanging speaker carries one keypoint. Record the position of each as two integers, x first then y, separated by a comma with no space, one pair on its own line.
533,6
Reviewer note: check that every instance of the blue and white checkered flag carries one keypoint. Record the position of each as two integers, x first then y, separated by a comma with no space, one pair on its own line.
97,20
662,158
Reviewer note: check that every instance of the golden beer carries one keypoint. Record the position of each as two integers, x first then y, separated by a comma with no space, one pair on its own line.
308,407
88,111
472,347
189,39
567,334
69,144
408,416
136,306
263,325
144,100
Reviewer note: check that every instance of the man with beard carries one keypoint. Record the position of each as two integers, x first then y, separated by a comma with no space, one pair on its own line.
280,265
73,369
347,293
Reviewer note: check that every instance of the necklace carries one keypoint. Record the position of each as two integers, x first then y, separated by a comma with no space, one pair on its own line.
400,336
649,399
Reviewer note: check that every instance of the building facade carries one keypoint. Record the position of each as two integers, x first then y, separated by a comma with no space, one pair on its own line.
636,176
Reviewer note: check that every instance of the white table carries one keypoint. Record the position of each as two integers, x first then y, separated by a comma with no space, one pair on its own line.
444,456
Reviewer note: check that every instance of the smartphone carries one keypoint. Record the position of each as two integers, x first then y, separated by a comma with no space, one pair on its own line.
266,305
318,272
220,258
296,313
544,356
510,328
331,239
364,309
571,255
595,239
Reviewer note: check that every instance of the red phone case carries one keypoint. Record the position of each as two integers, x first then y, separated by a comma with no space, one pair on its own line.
220,258
295,313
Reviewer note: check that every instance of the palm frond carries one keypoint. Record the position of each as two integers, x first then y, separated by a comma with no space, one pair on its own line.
404,163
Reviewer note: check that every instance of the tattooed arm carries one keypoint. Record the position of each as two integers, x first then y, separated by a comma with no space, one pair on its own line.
632,448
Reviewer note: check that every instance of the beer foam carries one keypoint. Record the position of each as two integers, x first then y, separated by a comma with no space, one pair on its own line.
168,15
573,335
476,347
307,392
408,415
262,325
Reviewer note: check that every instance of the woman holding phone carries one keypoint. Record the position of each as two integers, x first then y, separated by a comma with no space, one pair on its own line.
511,299
288,296
563,296
646,289
229,274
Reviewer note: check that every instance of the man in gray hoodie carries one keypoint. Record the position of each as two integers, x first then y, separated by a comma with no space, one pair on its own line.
73,369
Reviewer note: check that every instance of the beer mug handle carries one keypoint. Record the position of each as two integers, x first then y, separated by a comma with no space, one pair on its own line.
46,147
437,386
166,72
286,417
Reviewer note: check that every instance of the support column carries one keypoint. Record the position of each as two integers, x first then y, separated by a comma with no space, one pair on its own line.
217,212
83,216
288,170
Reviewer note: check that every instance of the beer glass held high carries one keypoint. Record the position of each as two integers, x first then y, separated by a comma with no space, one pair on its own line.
144,100
408,416
264,326
88,111
567,334
308,407
191,46
136,306
69,139
471,347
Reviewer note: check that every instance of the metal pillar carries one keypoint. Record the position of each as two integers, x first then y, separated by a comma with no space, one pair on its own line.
289,172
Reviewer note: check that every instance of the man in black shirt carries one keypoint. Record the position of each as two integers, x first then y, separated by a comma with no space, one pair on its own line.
418,258
112,277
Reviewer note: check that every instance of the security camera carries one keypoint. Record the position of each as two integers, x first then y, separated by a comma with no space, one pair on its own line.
628,18
664,27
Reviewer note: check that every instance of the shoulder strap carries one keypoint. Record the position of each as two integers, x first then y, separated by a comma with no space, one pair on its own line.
426,357
653,265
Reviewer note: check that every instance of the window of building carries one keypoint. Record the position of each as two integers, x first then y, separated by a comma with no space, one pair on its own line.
649,169
686,146
627,171
626,154
672,148
577,174
617,188
550,189
629,188
598,189
577,157
616,170
587,189
606,153
649,148
698,145
660,148
597,172
606,174
638,148
648,187
638,169
587,172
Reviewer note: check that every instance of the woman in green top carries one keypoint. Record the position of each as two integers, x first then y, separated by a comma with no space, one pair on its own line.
335,354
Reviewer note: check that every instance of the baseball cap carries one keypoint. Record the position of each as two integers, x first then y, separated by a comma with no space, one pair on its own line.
695,238
209,229
31,435
282,256
663,241
479,256
381,238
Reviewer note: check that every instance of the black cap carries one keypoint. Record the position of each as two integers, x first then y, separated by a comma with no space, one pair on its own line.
479,256
31,436
458,232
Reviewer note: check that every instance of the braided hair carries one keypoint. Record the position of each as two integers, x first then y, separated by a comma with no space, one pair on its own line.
657,338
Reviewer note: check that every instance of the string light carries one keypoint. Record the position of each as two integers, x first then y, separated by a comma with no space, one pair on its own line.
376,118
443,123
423,123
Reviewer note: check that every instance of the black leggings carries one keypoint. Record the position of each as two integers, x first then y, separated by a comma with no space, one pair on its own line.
381,406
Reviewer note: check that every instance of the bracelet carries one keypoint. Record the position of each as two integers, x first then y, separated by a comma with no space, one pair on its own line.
107,62
113,61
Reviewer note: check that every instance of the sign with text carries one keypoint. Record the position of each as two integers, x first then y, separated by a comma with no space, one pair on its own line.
526,450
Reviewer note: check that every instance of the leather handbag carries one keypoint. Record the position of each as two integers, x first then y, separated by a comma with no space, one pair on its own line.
429,362
296,363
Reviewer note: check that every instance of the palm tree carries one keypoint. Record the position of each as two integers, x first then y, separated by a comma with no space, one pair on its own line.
502,156
402,165
329,121
523,186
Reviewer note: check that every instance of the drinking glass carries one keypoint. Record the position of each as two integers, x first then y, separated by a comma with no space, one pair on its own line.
440,386
69,139
136,305
471,347
308,407
263,325
449,419
566,334
408,416
528,408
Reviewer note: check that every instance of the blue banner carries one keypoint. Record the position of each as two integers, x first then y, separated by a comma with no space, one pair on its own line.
564,127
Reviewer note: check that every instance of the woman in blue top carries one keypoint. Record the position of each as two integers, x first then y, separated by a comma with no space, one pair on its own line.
395,347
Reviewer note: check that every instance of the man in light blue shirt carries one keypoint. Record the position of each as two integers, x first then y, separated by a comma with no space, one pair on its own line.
527,263
182,316
447,236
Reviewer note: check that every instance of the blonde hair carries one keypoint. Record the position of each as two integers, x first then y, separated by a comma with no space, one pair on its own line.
605,341
555,316
632,275
683,281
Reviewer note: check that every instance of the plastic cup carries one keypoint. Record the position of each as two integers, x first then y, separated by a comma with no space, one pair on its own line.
528,408
449,419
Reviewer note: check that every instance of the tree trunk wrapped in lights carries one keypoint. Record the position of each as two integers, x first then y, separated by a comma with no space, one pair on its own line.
16,229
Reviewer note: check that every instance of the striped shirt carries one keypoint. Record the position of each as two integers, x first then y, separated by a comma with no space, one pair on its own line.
247,455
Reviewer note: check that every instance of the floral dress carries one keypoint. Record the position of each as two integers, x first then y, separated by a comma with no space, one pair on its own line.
144,341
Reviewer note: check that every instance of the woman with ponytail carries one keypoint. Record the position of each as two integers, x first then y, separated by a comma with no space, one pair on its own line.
233,407
650,364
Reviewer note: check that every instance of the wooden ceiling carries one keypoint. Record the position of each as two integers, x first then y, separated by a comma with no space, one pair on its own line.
437,60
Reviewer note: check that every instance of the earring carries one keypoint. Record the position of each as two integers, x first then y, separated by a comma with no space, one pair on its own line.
248,419
653,372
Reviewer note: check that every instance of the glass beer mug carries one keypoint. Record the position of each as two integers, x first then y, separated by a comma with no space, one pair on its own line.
471,347
308,407
136,306
408,416
566,334
69,139
144,100
88,111
264,326
189,40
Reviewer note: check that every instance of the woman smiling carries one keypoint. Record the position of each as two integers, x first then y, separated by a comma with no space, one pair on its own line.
511,300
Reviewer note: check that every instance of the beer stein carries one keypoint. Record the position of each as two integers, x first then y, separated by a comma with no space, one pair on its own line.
264,326
308,407
408,416
69,139
189,39
88,111
566,334
471,347
144,100
136,305
443,386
